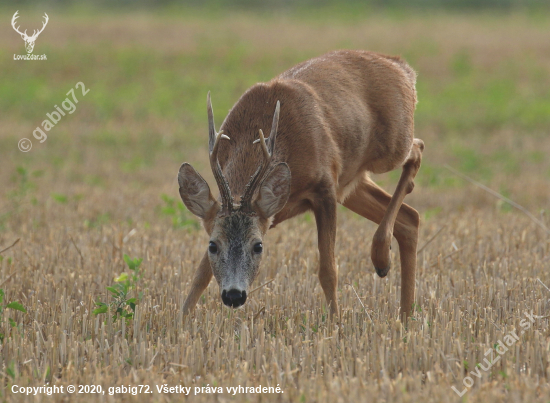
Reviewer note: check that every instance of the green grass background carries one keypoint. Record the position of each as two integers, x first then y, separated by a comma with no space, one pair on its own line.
483,89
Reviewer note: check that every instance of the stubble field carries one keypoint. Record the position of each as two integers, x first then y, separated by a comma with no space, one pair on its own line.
102,185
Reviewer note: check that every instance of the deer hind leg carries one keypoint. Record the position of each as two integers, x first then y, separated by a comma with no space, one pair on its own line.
380,251
202,278
396,218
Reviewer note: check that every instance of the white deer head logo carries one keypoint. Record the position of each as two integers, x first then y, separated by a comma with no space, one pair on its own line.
29,40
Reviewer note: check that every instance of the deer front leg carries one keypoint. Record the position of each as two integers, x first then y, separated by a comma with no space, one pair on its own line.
325,217
203,276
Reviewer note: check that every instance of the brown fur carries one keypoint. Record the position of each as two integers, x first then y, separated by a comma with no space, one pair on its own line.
342,115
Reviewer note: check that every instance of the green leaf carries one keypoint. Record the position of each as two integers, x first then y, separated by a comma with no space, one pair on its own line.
102,309
127,260
12,322
113,291
133,264
131,301
137,263
121,278
17,306
10,370
123,287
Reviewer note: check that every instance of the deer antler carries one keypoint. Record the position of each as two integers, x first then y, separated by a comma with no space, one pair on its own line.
268,148
24,34
35,35
214,145
15,16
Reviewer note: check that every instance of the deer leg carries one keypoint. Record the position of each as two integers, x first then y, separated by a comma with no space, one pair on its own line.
325,218
202,278
380,251
396,218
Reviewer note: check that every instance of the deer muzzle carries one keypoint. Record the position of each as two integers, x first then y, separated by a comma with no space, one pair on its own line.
233,298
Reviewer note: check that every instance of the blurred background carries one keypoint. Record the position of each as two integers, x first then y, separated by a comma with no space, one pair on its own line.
483,88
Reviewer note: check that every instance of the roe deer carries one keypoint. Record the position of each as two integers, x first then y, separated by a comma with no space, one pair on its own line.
336,118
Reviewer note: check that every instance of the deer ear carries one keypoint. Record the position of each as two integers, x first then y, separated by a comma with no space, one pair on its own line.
274,191
194,191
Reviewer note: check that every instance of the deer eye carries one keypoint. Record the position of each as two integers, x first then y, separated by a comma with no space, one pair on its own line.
212,248
258,248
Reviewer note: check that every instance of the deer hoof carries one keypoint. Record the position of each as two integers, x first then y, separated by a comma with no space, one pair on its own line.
380,251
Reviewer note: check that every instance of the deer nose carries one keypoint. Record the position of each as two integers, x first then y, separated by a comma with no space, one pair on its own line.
234,298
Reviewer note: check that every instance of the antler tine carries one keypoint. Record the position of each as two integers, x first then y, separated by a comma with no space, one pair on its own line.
273,134
211,125
43,24
15,17
213,146
258,175
274,127
267,154
264,166
225,191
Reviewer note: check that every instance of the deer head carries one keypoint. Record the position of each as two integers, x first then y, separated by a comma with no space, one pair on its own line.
29,40
236,230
